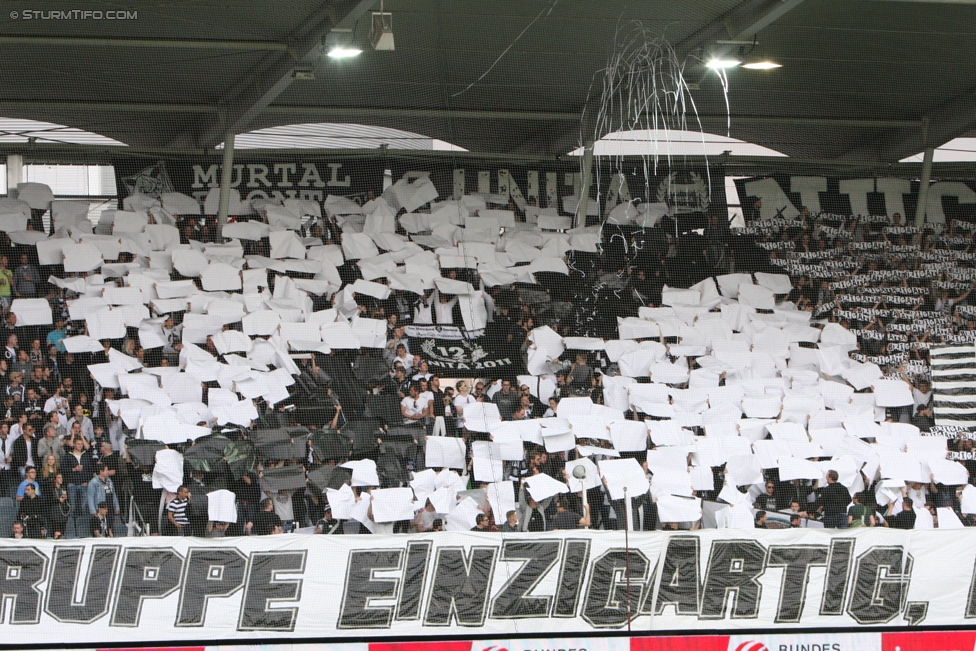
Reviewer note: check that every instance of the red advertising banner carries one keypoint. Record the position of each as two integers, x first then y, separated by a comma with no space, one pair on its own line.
906,641
929,641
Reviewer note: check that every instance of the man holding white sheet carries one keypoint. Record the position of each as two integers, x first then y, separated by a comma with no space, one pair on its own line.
444,309
423,311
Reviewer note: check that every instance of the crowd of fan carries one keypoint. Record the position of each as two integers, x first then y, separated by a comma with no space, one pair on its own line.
66,461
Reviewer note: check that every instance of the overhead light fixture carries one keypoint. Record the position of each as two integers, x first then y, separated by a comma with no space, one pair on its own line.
339,44
381,34
764,64
340,52
722,64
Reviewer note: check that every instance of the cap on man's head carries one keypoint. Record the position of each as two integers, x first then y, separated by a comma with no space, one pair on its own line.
103,505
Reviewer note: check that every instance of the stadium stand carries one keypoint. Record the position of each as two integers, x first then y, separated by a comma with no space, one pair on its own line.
411,368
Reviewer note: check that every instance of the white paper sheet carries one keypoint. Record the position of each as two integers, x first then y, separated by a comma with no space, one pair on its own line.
445,452
621,473
221,506
542,487
674,508
168,470
392,504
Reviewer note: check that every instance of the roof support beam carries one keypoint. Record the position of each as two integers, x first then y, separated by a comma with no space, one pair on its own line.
316,111
111,107
952,119
257,89
177,43
741,23
813,122
446,114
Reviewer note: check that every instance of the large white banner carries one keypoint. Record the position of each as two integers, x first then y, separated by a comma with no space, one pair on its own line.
304,586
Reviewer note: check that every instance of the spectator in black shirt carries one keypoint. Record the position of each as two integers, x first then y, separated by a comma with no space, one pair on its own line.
37,383
30,511
16,389
767,501
506,400
99,525
266,521
438,407
77,466
401,381
566,519
580,374
57,506
34,408
480,523
905,518
834,500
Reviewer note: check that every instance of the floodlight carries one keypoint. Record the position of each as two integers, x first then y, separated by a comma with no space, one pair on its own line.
339,52
764,64
339,44
722,64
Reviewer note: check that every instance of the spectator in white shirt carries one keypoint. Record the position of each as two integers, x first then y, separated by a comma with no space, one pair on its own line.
423,372
414,407
403,357
58,404
423,310
8,482
462,399
444,309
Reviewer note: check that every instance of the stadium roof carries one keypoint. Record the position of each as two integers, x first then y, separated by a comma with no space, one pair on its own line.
863,81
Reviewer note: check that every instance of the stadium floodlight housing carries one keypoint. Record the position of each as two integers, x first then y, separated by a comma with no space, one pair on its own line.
381,34
339,44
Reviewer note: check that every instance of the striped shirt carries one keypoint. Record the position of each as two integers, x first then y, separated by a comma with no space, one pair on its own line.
178,509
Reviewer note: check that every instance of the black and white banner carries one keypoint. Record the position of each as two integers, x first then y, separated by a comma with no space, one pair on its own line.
954,384
468,356
456,352
783,196
329,587
301,176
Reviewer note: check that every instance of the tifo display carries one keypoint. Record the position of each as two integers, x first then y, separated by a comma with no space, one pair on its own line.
412,366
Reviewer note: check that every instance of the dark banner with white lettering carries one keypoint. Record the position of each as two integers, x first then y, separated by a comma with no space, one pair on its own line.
332,587
552,184
783,196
